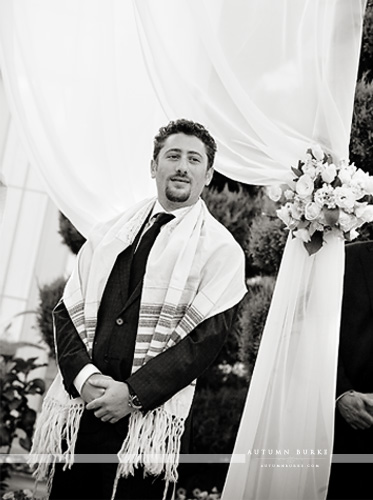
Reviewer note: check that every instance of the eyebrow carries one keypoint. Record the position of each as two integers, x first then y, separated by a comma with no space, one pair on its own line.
177,150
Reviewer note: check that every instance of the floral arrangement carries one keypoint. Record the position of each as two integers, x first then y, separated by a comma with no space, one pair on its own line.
323,198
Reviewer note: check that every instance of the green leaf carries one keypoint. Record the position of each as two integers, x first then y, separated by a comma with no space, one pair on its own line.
315,243
35,386
26,443
331,215
337,182
297,171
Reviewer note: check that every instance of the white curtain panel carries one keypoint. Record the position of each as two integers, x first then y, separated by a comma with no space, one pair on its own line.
80,95
268,77
90,81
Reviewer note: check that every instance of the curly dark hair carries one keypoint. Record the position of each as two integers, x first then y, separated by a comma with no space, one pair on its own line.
189,128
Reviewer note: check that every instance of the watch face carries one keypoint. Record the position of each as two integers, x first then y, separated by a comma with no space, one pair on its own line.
135,402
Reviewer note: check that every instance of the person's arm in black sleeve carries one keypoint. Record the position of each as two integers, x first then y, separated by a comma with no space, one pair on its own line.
72,355
169,372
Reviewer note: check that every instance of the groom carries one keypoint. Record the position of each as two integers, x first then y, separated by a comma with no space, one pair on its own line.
354,406
145,312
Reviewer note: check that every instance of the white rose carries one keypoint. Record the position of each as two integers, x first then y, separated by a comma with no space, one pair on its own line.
312,211
317,152
310,170
369,185
329,173
347,222
365,213
345,175
302,234
274,192
304,186
344,197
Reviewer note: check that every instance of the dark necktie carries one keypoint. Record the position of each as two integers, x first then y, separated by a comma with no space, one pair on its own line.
141,254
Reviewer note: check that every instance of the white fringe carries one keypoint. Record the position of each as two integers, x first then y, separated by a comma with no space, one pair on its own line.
153,442
57,422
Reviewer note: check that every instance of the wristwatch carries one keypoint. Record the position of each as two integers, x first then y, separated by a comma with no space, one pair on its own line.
133,400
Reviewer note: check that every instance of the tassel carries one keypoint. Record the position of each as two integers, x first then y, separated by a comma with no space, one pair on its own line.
153,442
58,421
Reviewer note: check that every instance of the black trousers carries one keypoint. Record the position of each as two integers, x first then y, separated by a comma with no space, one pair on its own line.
95,481
351,481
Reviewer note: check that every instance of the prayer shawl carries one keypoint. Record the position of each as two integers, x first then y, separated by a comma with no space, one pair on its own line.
195,270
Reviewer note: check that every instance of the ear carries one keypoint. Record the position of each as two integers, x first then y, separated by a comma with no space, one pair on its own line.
153,168
209,174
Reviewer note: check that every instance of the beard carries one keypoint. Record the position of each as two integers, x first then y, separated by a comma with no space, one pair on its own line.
176,195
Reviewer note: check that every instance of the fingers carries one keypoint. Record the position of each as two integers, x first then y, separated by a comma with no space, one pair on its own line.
100,381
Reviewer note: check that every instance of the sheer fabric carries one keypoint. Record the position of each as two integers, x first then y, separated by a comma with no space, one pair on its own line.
89,83
79,93
267,77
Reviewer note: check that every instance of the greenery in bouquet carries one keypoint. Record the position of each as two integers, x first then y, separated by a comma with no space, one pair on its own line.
324,198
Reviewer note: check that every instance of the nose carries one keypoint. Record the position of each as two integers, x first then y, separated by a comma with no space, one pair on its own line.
182,166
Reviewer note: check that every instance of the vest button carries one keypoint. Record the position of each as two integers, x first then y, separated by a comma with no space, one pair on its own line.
119,321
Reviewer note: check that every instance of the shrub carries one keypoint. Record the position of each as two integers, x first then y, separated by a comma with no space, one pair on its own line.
235,210
266,243
361,144
216,416
15,387
49,296
366,55
252,317
70,235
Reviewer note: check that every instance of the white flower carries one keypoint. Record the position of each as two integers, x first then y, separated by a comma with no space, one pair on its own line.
302,234
344,197
361,183
325,196
347,222
312,211
305,186
329,173
365,213
284,214
289,194
353,234
317,152
309,169
296,209
345,175
369,185
274,192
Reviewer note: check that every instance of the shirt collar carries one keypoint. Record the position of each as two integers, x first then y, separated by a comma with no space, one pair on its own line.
179,212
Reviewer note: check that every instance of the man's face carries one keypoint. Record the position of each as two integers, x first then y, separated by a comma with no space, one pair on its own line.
181,171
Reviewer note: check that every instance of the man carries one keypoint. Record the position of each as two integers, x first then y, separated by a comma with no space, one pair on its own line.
145,312
354,406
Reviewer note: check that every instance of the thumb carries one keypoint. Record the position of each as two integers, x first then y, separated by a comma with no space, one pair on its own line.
368,399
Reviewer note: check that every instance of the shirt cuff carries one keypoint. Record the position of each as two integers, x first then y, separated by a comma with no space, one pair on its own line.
84,375
343,394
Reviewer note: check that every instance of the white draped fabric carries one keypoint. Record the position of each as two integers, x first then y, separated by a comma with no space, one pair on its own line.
87,81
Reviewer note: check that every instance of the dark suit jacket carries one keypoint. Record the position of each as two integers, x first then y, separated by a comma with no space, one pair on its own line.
114,344
355,363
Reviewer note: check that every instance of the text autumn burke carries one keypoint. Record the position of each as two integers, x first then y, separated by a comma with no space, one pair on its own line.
287,452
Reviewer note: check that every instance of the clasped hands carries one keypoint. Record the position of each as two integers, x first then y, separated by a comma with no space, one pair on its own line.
357,409
106,397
